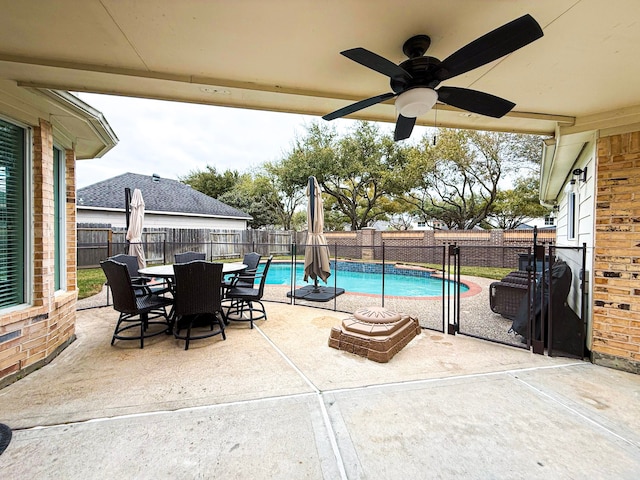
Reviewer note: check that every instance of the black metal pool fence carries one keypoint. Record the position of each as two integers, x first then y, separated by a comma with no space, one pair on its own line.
450,312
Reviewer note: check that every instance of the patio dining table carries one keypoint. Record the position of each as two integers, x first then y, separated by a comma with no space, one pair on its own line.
166,271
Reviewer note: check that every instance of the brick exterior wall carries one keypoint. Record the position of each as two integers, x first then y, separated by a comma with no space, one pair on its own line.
616,290
36,334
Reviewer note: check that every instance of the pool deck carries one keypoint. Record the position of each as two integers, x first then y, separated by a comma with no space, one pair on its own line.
276,402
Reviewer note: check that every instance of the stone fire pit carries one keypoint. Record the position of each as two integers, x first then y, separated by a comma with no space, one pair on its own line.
374,333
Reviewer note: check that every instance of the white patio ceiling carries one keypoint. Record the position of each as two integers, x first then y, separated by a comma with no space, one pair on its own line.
283,55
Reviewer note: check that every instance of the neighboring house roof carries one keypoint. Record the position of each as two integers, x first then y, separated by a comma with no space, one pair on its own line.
160,195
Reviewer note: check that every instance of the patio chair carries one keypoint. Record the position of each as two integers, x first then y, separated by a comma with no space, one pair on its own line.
142,285
198,296
506,296
247,299
246,277
187,257
136,311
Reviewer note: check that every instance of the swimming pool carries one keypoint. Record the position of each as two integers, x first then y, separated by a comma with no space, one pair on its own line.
367,278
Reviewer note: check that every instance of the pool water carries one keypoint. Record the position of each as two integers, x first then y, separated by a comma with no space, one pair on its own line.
367,282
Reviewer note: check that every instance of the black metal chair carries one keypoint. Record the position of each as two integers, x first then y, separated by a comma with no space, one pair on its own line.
247,299
187,257
136,311
198,296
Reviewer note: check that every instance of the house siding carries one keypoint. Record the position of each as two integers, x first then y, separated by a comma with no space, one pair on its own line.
616,311
585,191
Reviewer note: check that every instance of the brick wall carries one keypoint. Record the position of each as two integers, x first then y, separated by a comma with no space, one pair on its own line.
496,248
616,290
32,336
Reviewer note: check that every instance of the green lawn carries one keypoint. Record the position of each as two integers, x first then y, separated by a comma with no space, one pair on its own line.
90,281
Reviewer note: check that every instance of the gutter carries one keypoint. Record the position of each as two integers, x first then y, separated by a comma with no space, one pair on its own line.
94,118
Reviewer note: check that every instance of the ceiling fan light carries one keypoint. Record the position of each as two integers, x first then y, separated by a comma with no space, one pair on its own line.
415,102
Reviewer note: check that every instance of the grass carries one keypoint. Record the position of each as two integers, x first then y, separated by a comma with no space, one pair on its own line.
495,273
90,281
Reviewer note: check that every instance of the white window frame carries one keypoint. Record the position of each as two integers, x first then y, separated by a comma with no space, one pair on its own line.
61,184
572,215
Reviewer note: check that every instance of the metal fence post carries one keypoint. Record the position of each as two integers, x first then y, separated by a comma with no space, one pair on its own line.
383,272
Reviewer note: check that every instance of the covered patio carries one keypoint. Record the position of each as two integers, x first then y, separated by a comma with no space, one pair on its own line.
277,402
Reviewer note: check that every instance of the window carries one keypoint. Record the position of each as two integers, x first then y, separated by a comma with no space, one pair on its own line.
422,224
549,220
572,216
12,214
59,196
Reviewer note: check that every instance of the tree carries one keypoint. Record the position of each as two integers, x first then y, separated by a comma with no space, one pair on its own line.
457,180
361,171
286,197
254,196
515,205
210,182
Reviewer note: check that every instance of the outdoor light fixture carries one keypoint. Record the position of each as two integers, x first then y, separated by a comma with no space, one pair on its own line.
581,171
413,103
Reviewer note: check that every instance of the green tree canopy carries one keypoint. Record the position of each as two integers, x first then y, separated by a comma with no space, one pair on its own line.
210,182
360,171
456,181
255,196
515,205
286,196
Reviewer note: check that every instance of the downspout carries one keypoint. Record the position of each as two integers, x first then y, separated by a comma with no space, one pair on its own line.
548,153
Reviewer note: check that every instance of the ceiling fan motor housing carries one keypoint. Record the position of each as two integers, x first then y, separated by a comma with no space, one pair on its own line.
423,70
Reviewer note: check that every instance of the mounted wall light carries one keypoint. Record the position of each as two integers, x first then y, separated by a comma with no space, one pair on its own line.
581,173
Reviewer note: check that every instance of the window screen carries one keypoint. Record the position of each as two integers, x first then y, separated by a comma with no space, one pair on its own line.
12,159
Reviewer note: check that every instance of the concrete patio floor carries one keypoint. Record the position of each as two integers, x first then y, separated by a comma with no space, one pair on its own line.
277,402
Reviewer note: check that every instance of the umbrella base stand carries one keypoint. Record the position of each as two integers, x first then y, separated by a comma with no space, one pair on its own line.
316,294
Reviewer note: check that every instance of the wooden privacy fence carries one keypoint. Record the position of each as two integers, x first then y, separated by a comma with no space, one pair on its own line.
96,243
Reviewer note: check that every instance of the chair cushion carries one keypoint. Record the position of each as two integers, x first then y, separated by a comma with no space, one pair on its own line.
243,292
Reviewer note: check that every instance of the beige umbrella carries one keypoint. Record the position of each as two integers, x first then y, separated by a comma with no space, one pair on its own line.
134,234
316,254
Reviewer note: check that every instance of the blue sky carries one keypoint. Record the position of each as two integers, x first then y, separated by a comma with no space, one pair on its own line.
172,139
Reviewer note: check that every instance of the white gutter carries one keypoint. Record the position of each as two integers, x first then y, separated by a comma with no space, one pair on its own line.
81,110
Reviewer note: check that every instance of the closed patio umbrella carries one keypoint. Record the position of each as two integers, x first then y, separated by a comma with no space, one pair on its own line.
316,254
134,233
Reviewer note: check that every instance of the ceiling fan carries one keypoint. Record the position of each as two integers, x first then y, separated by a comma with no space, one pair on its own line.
414,81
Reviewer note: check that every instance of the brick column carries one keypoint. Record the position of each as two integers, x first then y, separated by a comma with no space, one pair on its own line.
70,208
616,292
43,215
367,238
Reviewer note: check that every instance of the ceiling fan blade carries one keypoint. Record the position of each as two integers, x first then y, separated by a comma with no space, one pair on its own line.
404,127
491,46
475,101
354,107
377,63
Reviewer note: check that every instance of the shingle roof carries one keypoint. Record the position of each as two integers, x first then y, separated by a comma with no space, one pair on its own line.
164,195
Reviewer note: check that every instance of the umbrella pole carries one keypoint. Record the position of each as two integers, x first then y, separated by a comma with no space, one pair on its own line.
127,210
